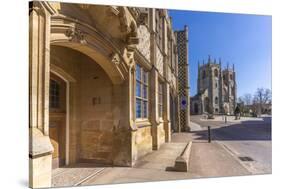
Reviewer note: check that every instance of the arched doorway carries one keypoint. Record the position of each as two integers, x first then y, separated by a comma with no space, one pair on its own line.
57,119
90,109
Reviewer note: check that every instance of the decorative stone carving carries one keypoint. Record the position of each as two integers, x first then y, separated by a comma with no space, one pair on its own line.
124,23
113,10
75,35
144,43
115,59
128,26
143,19
174,81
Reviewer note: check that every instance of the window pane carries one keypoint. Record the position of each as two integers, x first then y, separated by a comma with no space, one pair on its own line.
138,89
138,72
138,108
144,92
145,78
54,94
144,109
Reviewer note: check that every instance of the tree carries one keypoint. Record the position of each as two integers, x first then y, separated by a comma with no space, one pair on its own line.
247,98
261,98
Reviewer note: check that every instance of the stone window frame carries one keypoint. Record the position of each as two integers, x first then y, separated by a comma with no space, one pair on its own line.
144,74
160,99
216,73
216,100
54,94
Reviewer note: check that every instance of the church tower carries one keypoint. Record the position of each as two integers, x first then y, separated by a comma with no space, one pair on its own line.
229,89
216,89
209,86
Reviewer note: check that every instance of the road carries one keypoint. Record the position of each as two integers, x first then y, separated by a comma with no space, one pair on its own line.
247,140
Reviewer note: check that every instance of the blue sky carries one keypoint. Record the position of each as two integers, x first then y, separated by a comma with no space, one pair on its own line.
242,39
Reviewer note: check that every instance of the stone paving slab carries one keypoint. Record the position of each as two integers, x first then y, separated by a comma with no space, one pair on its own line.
72,176
211,160
207,160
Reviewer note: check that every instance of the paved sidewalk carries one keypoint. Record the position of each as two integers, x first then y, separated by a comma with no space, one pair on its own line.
207,160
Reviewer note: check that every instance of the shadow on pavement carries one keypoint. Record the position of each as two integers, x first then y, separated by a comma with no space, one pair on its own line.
246,130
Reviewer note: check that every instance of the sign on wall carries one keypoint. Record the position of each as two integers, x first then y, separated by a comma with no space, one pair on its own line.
183,103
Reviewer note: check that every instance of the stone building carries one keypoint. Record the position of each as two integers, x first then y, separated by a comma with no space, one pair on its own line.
216,89
103,85
183,73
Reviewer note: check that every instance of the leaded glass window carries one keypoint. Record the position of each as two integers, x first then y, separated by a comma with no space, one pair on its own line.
54,100
141,92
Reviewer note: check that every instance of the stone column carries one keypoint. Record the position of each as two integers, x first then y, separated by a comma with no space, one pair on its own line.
166,114
40,148
153,84
153,102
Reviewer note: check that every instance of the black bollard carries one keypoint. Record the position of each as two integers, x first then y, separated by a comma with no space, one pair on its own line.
225,119
209,134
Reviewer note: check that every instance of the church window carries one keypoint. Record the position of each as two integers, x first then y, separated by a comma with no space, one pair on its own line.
216,100
216,73
231,77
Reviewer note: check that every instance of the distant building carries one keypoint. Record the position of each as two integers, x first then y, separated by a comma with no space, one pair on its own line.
216,89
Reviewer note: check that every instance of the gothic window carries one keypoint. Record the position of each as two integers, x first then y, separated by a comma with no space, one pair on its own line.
231,77
216,85
160,99
216,73
141,92
54,101
216,100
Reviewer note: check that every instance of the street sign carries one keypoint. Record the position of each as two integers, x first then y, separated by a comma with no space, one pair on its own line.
183,103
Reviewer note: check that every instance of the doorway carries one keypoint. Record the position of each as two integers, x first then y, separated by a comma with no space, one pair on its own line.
57,119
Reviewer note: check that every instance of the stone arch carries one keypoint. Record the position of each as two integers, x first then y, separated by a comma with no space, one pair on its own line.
93,106
89,41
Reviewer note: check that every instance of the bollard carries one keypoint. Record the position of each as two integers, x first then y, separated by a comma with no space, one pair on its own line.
225,119
209,134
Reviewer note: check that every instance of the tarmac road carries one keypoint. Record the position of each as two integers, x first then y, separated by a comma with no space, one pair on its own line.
247,138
